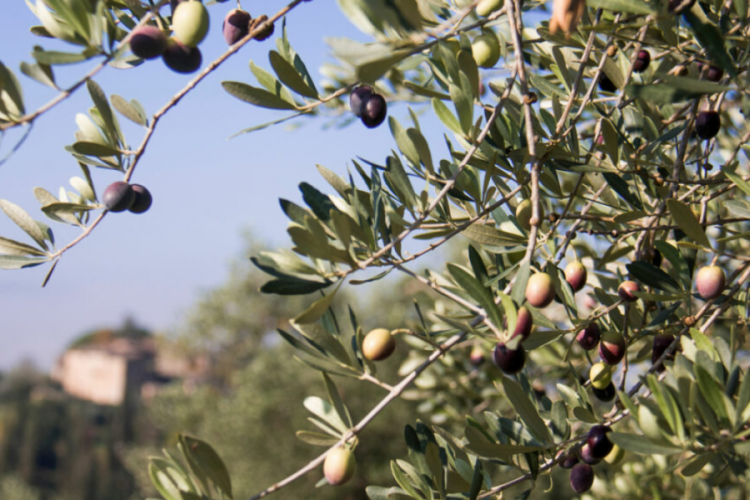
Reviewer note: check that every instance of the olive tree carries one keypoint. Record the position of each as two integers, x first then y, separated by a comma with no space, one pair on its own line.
593,168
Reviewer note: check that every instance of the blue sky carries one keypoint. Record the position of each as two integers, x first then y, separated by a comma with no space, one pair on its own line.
206,188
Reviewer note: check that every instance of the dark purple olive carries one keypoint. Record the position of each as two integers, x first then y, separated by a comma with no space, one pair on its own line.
357,99
181,58
568,459
714,74
118,196
142,201
642,62
236,26
581,478
374,111
509,361
707,124
606,84
148,42
661,343
598,441
589,337
605,395
587,456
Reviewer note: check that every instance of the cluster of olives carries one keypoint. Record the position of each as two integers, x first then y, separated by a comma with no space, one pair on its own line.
180,52
368,106
120,196
596,448
237,24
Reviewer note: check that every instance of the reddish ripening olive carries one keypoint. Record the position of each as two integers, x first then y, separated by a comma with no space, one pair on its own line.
142,200
374,110
118,196
181,58
509,361
588,338
710,282
581,478
600,375
612,348
524,323
539,290
357,99
568,459
190,23
661,343
642,61
236,26
626,289
587,456
476,357
606,84
378,345
599,442
148,42
607,394
339,466
575,275
707,124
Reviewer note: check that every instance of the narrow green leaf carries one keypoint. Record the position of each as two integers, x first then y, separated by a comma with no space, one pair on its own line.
688,222
255,96
24,221
641,444
526,410
289,75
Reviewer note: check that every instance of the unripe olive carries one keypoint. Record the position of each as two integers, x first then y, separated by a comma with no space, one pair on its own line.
118,196
626,289
524,323
588,338
374,110
615,456
190,23
181,58
539,290
486,49
378,345
600,375
642,62
509,361
612,348
710,282
142,201
236,25
599,442
575,275
339,466
523,214
707,124
148,42
357,99
581,478
487,7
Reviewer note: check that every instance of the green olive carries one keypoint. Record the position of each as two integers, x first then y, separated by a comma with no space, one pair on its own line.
486,50
487,7
190,23
378,344
600,375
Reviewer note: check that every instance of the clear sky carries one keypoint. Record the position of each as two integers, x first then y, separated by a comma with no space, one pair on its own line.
206,188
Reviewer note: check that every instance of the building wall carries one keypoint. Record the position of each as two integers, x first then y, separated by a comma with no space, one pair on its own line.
95,375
